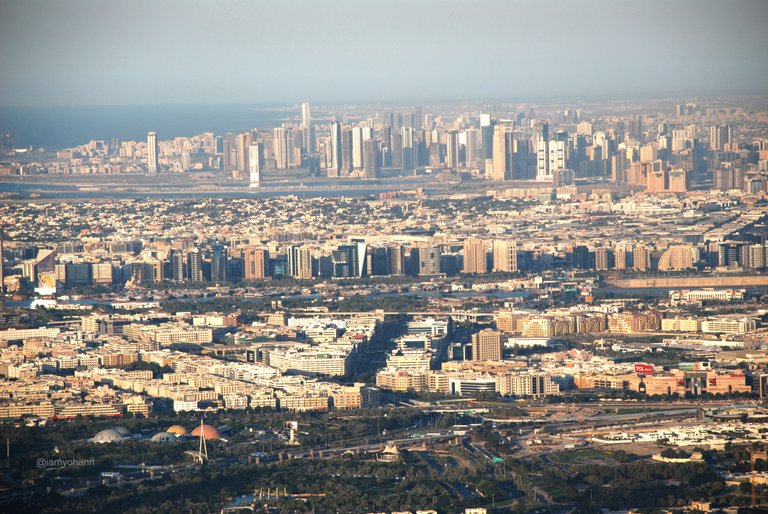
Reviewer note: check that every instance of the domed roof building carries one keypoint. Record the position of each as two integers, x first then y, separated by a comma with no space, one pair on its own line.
208,432
110,435
177,430
122,431
164,437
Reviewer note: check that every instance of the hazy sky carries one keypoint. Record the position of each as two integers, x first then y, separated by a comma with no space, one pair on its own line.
84,52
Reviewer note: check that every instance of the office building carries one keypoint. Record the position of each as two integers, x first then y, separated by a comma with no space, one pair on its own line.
177,266
396,260
502,153
255,261
452,149
602,258
152,152
307,130
428,258
255,161
306,118
486,345
474,256
410,156
299,262
349,260
194,266
543,171
371,166
242,142
504,255
336,154
280,148
472,148
219,264
357,148
720,137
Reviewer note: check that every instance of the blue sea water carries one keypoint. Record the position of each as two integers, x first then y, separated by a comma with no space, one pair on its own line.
65,127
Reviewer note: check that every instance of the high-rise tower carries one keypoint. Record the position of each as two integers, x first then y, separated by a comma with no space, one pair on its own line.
255,159
152,152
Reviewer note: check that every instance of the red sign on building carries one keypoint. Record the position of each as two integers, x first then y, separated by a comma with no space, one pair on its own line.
643,368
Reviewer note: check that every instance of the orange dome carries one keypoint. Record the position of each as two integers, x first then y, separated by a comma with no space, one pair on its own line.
177,430
209,432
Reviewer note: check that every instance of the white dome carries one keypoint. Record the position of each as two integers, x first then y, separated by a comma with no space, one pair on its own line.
109,435
163,437
122,431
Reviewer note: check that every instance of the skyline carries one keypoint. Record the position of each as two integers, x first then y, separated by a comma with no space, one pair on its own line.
351,52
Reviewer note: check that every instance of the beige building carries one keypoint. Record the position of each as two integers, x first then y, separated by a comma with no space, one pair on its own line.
474,256
504,255
486,345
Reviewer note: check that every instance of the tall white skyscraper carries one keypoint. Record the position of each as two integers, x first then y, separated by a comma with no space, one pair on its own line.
255,158
357,148
306,119
307,131
336,159
558,153
152,152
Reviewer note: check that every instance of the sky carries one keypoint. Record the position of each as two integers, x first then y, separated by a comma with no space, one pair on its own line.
109,52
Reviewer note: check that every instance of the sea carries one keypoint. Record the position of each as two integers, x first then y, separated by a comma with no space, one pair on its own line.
65,127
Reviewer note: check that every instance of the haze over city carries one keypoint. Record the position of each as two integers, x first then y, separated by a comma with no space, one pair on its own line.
86,52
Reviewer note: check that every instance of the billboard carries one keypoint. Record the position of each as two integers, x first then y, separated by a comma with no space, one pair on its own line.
643,368
693,366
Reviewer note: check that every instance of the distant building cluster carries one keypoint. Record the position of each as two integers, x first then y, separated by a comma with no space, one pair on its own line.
661,152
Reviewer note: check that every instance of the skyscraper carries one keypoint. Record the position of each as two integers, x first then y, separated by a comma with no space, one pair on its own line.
474,256
371,166
349,260
280,147
504,255
152,152
299,262
486,345
255,260
396,150
336,154
177,266
428,258
255,159
543,172
473,156
501,154
720,137
219,264
346,150
357,148
306,119
558,152
602,259
307,131
409,153
452,149
396,258
194,266
243,142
